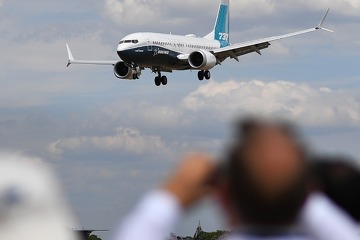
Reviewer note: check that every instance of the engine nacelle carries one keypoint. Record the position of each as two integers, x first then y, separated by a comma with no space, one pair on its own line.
202,60
122,71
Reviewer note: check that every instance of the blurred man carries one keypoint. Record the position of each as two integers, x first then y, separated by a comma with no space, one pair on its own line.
32,206
339,179
265,176
261,186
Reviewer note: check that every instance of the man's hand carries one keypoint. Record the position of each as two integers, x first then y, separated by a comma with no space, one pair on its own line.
190,182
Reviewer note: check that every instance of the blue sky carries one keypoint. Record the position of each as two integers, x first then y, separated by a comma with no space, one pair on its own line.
111,140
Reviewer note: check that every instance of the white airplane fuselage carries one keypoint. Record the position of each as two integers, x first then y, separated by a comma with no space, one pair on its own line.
155,49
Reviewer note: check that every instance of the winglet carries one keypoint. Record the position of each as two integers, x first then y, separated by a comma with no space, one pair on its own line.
320,26
71,57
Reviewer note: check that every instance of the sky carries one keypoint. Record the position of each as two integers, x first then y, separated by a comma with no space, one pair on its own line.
112,140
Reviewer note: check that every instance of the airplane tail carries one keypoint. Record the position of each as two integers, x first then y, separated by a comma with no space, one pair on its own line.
221,29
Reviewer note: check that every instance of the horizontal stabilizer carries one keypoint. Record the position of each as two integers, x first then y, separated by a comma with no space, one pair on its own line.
73,61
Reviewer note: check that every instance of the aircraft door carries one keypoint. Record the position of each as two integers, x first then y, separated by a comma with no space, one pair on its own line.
149,46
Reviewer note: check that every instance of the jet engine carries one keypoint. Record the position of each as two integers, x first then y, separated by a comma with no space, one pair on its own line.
202,60
123,71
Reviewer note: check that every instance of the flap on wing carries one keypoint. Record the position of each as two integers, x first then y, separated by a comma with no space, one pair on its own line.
235,53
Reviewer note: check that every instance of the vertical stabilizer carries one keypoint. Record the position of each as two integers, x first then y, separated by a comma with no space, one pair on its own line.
221,29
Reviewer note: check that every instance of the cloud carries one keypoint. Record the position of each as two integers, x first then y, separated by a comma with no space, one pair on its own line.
346,7
279,49
147,113
40,74
300,102
129,140
137,12
145,12
38,54
198,118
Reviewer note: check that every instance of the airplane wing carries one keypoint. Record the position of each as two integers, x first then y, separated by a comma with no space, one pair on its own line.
239,49
73,61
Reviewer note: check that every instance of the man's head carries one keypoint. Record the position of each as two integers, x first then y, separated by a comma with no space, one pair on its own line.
266,174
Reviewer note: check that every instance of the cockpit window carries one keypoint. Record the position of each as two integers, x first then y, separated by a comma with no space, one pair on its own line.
128,41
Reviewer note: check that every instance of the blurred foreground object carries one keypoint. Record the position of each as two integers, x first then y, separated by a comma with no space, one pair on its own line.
339,179
31,202
87,234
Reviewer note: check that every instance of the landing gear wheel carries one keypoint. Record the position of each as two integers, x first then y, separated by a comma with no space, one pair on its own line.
157,81
135,76
207,75
201,75
164,80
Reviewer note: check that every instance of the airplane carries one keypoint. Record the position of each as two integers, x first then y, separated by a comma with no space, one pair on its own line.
168,52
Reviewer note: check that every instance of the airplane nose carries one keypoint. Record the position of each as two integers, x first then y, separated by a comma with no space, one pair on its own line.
123,52
120,48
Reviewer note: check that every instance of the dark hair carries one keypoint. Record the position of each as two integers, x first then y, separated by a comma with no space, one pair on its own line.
339,179
253,207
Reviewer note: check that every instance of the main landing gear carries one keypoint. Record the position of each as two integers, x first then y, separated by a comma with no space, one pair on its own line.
161,80
204,74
